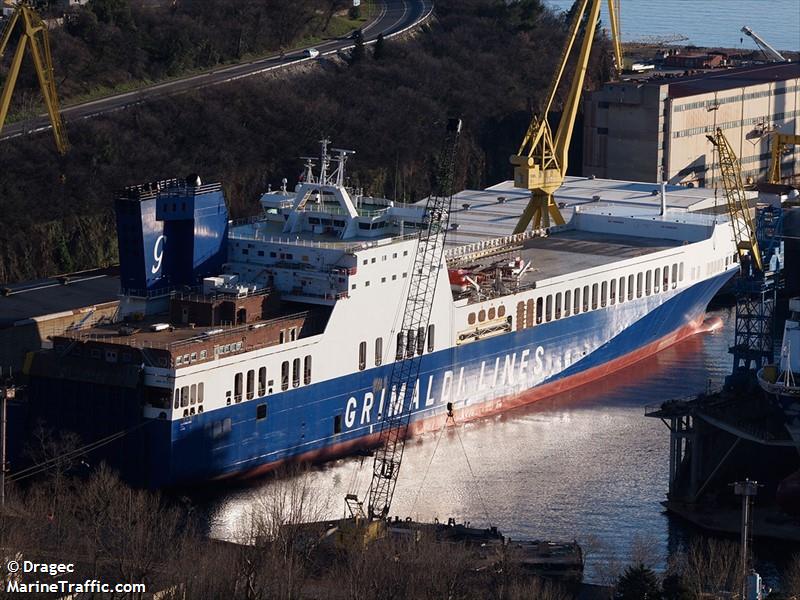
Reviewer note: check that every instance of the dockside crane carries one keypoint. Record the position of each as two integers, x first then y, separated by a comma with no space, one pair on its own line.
540,164
755,287
770,52
780,143
744,231
399,386
32,34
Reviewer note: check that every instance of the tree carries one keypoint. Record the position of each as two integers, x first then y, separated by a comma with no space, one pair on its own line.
674,588
380,47
359,50
792,578
638,583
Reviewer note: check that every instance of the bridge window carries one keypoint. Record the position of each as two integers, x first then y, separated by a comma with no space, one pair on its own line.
262,381
558,305
594,296
237,387
665,287
648,282
612,299
680,272
657,281
674,275
296,373
586,298
548,312
622,289
567,302
251,384
529,313
639,285
285,375
576,301
430,337
193,394
603,293
539,310
362,356
420,341
378,351
307,370
177,398
400,346
630,287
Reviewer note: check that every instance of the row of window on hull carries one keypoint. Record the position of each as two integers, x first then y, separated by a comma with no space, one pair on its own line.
408,343
600,295
190,398
265,386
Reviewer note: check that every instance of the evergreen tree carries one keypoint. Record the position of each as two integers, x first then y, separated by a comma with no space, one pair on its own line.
380,47
359,50
674,588
638,583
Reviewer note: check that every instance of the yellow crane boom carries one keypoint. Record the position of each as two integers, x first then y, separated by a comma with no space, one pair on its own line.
744,232
540,164
33,35
780,141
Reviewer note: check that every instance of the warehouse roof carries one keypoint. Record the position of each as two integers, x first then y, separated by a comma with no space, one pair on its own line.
727,79
22,301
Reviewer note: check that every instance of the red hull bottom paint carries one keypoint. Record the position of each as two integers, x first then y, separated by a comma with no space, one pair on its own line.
492,407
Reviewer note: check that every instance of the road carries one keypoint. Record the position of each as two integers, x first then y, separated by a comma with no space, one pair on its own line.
394,17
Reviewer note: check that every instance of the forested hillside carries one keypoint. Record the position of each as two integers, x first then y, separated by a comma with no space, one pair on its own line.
486,60
109,45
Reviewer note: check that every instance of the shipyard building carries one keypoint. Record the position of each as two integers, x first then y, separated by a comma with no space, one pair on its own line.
635,129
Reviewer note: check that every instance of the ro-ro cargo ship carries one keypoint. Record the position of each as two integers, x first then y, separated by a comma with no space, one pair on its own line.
241,346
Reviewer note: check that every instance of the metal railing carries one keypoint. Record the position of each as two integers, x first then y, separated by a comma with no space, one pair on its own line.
491,244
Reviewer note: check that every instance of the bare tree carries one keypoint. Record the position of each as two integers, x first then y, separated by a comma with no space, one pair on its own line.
713,567
277,524
791,579
130,531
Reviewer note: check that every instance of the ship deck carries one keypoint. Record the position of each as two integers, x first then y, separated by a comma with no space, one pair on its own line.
139,334
570,251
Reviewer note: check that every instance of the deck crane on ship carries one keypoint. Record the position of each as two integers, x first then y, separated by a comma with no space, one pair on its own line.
415,319
540,164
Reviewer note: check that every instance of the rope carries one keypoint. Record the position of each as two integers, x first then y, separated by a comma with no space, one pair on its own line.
475,479
428,468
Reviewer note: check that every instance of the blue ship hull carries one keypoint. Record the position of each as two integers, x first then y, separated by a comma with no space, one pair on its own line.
337,417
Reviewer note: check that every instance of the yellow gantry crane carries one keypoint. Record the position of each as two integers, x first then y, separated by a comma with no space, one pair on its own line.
780,142
540,164
744,232
33,34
